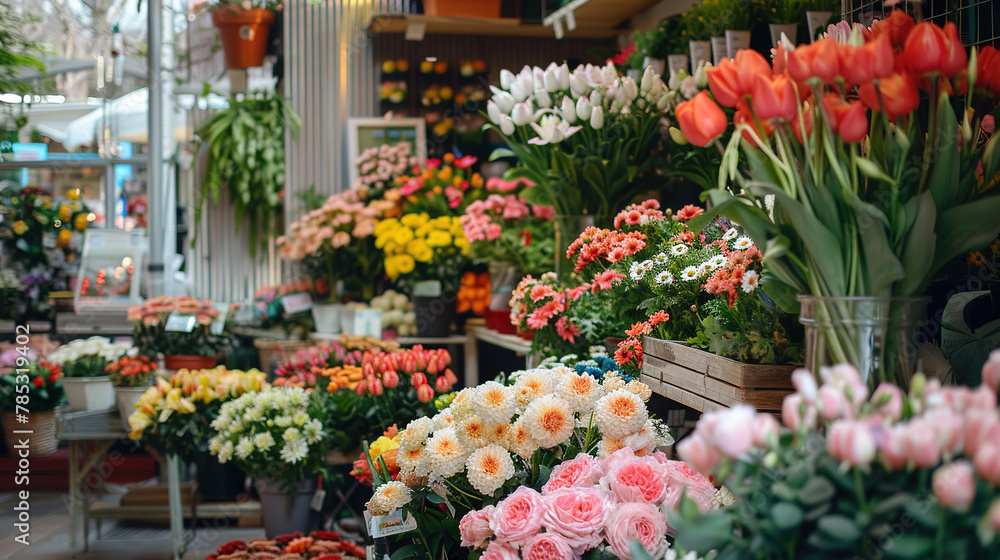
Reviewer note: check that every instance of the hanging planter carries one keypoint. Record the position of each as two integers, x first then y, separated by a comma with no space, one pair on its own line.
244,34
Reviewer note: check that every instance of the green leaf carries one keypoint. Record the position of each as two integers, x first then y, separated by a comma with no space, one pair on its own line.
839,527
965,228
909,546
709,531
916,259
946,158
881,263
873,170
816,491
501,153
409,551
786,516
638,551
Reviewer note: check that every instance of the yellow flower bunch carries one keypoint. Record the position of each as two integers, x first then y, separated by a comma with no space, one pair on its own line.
419,239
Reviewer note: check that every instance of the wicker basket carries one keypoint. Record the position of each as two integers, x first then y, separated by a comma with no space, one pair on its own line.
42,441
274,351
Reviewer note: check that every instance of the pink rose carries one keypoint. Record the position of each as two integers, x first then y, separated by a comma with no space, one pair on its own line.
518,517
991,371
637,521
696,451
733,434
765,430
577,514
639,480
681,478
582,471
954,485
547,546
500,551
988,462
851,442
797,414
889,399
475,527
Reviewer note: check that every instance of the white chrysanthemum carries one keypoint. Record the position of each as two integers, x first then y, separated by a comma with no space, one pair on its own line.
294,450
635,272
497,433
568,358
619,414
581,392
225,452
607,447
297,397
558,374
663,278
214,445
414,458
283,421
642,442
661,258
416,431
445,454
519,440
639,388
750,281
690,273
495,402
488,468
730,234
313,430
549,420
645,266
463,403
263,441
291,433
388,498
679,250
612,382
300,418
443,419
531,385
254,414
244,448
472,432
742,243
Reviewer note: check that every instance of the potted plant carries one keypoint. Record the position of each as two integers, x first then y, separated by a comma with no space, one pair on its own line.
130,376
29,394
244,26
711,14
783,16
427,256
175,417
277,437
189,333
818,15
83,364
695,28
246,155
738,17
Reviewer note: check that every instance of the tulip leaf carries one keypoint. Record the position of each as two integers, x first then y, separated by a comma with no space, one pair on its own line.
839,527
786,516
892,503
991,160
908,546
945,157
917,260
501,153
881,263
965,228
873,170
816,491
782,292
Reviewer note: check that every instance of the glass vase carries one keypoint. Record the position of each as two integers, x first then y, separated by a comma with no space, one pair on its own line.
568,228
878,336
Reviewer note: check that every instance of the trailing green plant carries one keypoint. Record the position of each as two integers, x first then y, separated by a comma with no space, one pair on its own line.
246,154
17,50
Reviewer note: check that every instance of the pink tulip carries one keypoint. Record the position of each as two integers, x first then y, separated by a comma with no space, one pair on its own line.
993,515
988,462
765,430
418,379
425,393
441,384
846,377
894,448
390,379
991,371
805,384
851,442
922,446
796,414
733,435
361,388
981,426
890,400
376,387
832,403
947,426
698,453
450,376
954,485
983,397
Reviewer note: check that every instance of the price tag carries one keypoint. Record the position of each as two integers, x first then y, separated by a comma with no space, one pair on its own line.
180,323
368,322
296,303
430,288
218,326
392,524
317,501
49,240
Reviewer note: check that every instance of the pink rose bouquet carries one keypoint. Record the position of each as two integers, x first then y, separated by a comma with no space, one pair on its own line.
849,465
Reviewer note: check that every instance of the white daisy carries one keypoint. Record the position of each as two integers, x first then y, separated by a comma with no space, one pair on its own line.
290,434
313,430
294,450
742,243
661,258
679,250
750,281
635,272
283,421
645,266
690,273
664,278
719,261
263,441
730,234
226,452
300,418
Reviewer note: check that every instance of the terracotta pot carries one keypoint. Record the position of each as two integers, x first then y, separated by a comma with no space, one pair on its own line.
189,362
463,8
244,34
42,439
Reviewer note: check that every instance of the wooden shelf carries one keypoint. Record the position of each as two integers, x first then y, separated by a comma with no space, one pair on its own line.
410,25
598,13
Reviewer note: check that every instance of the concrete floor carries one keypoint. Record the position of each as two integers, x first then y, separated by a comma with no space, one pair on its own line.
49,536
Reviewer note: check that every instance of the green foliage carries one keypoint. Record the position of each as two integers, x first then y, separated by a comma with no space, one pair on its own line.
17,51
35,388
668,37
246,154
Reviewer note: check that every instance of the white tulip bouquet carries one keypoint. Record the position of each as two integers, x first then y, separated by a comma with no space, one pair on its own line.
584,138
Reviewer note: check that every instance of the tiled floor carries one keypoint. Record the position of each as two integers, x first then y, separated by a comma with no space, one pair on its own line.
49,536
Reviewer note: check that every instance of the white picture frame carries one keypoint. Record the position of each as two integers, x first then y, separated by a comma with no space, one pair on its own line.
366,132
106,249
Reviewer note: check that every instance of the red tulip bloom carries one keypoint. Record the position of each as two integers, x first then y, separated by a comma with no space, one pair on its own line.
807,121
701,120
896,28
733,79
899,93
930,48
846,118
822,60
774,98
873,61
744,116
988,71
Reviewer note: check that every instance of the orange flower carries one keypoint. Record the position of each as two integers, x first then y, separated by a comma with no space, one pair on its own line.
701,120
976,258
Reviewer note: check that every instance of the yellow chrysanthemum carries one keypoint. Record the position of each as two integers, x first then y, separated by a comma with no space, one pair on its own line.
444,222
439,238
548,420
385,226
488,468
619,414
402,235
495,402
419,250
80,222
20,227
381,445
414,220
65,213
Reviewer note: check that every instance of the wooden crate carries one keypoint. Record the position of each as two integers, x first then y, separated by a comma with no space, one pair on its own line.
706,382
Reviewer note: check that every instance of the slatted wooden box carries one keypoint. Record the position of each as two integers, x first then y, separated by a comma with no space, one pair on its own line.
706,382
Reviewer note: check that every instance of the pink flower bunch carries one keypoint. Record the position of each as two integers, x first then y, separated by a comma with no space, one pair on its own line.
154,311
336,224
589,503
639,214
596,243
732,277
630,350
379,166
483,219
954,430
538,303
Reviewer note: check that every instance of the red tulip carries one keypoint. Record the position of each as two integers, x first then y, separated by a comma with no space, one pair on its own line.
847,119
821,60
873,61
701,120
899,93
376,387
774,98
930,48
450,375
733,79
896,28
807,121
441,384
390,379
744,116
425,393
418,379
361,388
988,71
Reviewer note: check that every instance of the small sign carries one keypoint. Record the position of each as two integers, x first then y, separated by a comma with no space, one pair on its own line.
180,323
392,524
368,322
296,303
430,288
218,326
317,500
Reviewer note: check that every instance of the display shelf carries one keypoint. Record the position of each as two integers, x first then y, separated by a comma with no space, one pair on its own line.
415,26
589,14
404,340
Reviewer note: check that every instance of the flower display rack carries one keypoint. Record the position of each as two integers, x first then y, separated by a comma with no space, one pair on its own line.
706,382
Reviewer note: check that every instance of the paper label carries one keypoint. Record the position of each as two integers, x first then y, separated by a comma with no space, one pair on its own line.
218,326
430,288
180,323
296,303
392,524
368,322
49,240
317,500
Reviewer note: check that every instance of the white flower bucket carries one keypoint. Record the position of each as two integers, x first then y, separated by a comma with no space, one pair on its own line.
701,51
326,317
790,30
656,63
718,50
125,398
736,40
89,393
